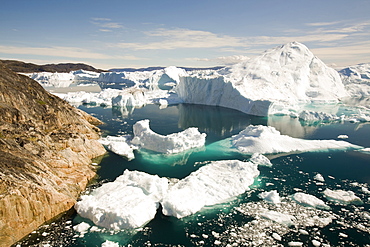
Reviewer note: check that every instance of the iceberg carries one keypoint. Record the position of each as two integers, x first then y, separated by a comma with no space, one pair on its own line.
342,196
133,198
309,201
127,203
130,97
270,196
214,183
285,76
267,140
260,159
49,79
169,144
357,80
312,116
119,145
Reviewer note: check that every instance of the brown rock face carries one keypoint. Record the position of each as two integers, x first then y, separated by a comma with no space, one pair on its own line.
46,147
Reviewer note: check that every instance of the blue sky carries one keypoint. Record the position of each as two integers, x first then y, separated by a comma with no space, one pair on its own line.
194,33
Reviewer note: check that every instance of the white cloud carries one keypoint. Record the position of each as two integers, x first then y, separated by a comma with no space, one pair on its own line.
183,38
319,24
224,60
106,24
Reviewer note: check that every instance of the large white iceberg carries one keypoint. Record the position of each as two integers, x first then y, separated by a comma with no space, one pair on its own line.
128,202
357,80
266,139
284,77
134,197
211,184
168,144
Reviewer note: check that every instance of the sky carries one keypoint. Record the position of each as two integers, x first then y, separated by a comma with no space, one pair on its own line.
192,33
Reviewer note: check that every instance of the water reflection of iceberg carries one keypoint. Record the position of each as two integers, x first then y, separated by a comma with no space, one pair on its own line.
221,121
155,158
123,111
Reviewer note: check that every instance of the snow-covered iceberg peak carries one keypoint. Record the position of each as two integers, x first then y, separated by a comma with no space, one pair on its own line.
169,144
283,77
289,72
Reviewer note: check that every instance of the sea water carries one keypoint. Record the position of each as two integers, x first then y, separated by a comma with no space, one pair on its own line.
237,222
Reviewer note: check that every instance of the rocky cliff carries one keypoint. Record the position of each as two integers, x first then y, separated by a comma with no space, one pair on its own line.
46,147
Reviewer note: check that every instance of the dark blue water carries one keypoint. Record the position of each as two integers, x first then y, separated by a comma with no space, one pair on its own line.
347,170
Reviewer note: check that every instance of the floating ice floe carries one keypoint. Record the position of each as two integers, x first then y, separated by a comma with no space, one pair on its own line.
83,227
133,198
119,145
319,177
270,196
169,144
212,184
108,243
260,160
365,150
342,137
342,196
309,201
266,139
281,218
128,202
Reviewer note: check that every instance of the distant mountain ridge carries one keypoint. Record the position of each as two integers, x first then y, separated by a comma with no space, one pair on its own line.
22,67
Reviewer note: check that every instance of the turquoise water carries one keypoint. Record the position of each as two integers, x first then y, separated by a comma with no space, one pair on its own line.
230,223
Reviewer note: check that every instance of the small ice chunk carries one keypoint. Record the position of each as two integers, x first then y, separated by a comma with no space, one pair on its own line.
119,145
294,243
270,196
82,227
342,137
108,243
343,235
309,200
315,243
169,144
319,177
342,196
284,219
276,236
260,159
303,232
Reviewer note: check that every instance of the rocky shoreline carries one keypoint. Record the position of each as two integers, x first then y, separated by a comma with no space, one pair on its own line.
46,147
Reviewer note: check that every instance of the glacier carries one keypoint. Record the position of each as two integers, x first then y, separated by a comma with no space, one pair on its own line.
133,198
